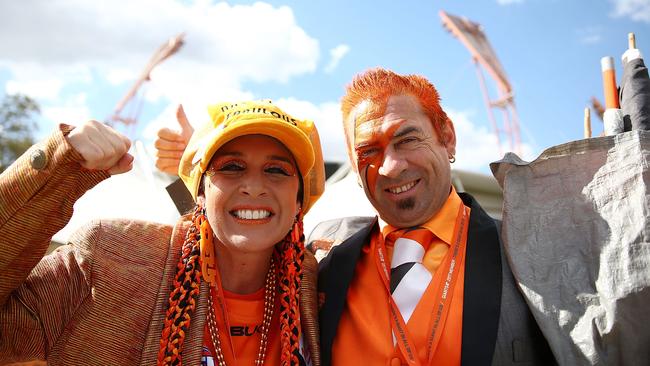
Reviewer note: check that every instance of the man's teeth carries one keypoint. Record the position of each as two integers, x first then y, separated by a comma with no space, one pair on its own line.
252,214
401,189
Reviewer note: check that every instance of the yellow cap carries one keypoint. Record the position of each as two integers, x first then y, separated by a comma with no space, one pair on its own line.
231,120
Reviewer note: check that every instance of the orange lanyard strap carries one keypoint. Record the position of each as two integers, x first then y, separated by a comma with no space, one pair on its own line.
216,291
211,275
452,266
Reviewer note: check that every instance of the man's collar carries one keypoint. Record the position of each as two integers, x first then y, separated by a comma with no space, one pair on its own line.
441,224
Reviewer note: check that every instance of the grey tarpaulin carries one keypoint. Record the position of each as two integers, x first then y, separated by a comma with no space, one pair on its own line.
577,235
635,95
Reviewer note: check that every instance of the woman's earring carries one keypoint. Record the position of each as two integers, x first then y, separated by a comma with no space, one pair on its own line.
296,231
206,243
452,159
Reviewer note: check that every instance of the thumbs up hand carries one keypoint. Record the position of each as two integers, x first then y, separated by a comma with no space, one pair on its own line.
170,144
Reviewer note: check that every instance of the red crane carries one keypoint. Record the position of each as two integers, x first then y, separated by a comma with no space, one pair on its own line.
162,53
471,35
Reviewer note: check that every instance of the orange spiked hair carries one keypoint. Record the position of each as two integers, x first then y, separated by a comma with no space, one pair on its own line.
377,85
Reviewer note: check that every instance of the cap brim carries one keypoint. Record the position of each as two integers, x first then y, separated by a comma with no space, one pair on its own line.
295,140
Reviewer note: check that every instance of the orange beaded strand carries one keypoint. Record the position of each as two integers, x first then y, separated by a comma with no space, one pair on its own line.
182,300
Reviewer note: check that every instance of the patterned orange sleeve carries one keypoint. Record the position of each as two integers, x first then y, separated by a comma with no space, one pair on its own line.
37,193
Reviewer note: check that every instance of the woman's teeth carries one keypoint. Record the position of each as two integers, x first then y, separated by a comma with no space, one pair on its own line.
251,214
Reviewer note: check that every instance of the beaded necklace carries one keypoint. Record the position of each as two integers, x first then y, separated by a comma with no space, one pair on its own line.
269,305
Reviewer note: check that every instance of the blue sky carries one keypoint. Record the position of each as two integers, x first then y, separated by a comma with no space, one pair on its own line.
77,58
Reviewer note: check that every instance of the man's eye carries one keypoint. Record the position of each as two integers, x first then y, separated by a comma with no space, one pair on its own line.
367,152
406,141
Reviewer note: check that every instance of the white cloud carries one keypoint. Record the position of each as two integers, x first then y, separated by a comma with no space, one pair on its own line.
589,35
509,2
118,76
256,41
336,54
476,146
41,81
638,10
72,111
590,39
53,45
327,117
41,89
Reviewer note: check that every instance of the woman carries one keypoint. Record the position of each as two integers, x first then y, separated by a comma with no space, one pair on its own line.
230,284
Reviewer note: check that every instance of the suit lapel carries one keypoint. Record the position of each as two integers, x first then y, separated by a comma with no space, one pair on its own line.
482,293
335,274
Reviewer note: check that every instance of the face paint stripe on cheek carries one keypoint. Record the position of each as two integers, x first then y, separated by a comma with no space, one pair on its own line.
371,177
370,141
378,140
383,140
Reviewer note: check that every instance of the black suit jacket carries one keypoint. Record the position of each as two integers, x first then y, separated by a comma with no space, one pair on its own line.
498,328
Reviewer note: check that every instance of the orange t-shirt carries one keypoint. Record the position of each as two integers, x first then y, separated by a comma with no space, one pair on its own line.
364,335
245,313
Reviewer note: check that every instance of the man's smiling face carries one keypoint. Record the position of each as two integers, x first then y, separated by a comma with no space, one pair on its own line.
402,162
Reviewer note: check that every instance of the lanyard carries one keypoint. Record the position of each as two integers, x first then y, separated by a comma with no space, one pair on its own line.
211,275
451,266
216,291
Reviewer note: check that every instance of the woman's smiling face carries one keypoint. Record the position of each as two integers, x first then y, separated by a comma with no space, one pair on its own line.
251,193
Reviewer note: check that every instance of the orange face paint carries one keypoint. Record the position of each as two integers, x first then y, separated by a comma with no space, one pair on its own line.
370,144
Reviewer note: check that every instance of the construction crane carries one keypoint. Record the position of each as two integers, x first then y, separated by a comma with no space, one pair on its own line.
472,37
166,50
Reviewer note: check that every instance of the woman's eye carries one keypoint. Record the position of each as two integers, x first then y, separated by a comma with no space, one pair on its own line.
276,170
230,167
279,170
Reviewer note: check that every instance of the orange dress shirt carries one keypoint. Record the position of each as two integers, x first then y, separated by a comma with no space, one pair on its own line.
364,334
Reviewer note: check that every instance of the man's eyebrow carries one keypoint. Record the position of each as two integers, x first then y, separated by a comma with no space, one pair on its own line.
406,131
365,144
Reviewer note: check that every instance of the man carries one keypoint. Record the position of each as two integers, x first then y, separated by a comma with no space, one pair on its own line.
459,303
456,302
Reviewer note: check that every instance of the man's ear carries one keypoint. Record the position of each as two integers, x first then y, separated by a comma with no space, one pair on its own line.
449,137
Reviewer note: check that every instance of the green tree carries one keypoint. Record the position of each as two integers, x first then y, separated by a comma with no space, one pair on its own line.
17,124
